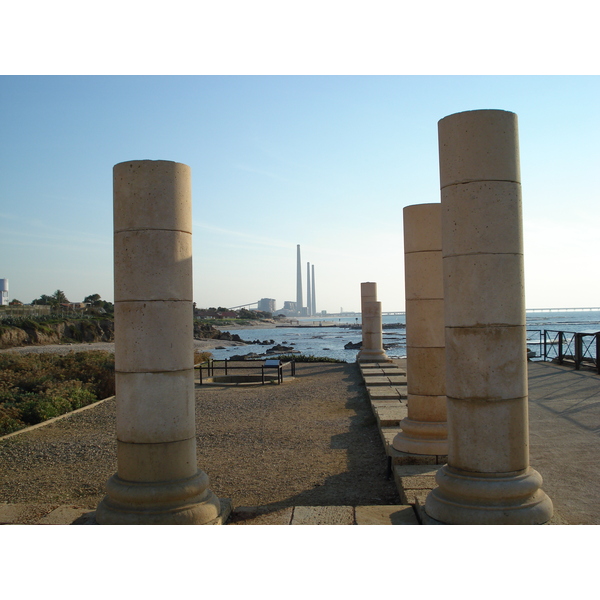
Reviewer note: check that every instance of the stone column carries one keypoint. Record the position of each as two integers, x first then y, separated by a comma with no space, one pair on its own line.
488,479
424,431
157,479
372,333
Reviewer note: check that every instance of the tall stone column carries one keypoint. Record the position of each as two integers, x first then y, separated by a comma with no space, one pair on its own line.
157,479
372,332
424,431
488,479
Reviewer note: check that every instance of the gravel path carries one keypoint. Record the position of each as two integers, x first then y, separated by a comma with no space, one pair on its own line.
312,441
107,346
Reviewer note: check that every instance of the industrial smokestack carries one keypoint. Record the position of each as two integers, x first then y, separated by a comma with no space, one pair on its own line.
308,296
299,284
313,302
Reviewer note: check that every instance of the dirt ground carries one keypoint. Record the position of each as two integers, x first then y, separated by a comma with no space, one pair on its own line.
310,441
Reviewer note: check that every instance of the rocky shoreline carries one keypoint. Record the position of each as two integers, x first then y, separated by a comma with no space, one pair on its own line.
66,337
32,333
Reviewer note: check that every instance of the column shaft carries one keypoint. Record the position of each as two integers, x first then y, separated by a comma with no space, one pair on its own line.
488,479
424,431
372,333
157,479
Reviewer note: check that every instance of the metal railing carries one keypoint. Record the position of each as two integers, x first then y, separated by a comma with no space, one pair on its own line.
572,346
208,367
535,339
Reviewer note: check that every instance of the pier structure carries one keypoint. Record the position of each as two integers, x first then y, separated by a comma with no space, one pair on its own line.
372,330
488,479
157,479
424,429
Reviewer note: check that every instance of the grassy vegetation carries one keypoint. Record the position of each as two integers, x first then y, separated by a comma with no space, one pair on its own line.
201,357
38,387
41,322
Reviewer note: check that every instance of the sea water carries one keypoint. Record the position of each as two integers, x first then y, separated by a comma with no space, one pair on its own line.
327,341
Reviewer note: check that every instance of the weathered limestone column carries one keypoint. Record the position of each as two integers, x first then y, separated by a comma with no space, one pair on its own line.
372,332
424,431
488,479
158,480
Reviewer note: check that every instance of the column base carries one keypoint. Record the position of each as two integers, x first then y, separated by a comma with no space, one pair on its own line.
422,437
372,356
180,502
465,498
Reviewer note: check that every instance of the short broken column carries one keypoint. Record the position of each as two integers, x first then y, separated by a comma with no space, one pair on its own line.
372,332
488,479
157,479
424,430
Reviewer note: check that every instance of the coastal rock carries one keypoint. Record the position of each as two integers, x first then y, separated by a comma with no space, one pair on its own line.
38,333
353,346
279,348
249,356
206,331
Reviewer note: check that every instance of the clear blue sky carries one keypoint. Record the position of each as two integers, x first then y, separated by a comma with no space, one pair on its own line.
327,162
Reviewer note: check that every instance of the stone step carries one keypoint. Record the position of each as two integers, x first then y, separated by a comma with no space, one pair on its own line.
376,380
366,372
384,380
386,372
390,416
386,402
388,433
380,392
414,482
326,515
387,436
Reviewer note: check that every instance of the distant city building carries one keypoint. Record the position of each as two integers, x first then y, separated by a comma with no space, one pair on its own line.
266,305
3,292
289,305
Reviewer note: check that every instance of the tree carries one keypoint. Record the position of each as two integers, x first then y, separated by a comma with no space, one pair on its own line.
43,300
60,297
93,299
15,302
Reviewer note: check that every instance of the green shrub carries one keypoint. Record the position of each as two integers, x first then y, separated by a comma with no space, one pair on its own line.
10,419
37,387
201,357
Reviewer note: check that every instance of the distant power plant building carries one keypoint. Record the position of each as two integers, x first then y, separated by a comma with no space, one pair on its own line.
3,292
311,307
266,305
299,282
289,305
313,302
308,295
